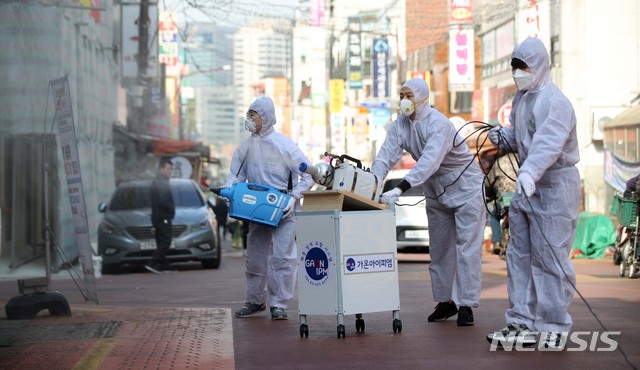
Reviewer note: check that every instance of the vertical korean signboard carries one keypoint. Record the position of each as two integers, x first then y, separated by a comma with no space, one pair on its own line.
380,66
461,46
461,60
168,43
316,13
534,21
336,103
68,145
354,54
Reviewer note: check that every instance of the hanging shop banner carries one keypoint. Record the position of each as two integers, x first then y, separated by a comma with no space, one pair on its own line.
460,11
617,172
354,54
461,59
69,147
380,66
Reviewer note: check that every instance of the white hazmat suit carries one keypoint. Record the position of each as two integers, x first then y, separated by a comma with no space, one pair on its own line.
270,158
452,182
543,131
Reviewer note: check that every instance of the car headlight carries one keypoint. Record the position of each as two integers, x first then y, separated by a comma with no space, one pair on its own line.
109,228
204,224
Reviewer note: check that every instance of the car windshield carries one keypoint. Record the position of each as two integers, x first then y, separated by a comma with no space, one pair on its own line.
137,196
415,191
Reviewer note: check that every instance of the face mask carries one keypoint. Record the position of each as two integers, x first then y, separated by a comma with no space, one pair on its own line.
523,79
406,107
250,125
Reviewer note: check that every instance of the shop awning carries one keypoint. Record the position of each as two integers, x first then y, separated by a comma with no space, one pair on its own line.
167,146
630,117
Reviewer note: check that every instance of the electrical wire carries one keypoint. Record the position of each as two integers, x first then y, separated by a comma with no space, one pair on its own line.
486,127
557,261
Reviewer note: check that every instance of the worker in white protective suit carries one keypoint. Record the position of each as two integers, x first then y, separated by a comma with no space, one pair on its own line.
544,210
269,158
452,183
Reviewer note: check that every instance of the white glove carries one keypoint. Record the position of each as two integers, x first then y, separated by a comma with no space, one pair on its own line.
389,196
525,184
290,205
494,135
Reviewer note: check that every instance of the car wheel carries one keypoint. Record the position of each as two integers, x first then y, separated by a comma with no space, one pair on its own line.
213,263
110,269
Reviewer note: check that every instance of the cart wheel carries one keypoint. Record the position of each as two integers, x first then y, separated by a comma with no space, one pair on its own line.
632,270
304,331
397,326
341,331
623,268
360,325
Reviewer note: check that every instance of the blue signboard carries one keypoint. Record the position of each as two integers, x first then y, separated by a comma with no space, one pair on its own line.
380,66
354,54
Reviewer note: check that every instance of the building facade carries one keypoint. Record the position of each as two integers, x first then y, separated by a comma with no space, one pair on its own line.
47,42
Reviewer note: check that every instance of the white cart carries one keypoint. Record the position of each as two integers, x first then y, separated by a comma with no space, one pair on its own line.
347,264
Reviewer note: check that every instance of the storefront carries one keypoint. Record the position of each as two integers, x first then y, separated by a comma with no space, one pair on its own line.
621,149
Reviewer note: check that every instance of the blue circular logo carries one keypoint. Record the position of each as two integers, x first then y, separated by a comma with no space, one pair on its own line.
317,264
351,264
272,198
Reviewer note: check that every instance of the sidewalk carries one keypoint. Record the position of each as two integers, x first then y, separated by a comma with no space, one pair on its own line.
115,335
104,337
184,320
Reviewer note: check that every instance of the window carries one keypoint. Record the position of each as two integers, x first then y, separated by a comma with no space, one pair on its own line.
555,51
460,101
138,196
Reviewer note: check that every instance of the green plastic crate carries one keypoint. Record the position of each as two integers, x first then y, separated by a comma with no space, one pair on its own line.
627,211
505,199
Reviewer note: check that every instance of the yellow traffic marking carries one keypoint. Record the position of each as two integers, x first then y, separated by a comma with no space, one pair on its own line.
96,355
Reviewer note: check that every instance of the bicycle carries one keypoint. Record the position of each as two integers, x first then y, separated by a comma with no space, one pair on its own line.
626,253
504,201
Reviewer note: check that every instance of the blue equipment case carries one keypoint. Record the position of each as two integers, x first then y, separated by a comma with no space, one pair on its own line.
256,203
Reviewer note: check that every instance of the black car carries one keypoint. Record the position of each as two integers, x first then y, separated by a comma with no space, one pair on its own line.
126,236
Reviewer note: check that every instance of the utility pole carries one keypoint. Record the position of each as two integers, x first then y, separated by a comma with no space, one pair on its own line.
329,69
143,64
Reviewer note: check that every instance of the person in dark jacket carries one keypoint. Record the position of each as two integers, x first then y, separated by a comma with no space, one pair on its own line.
162,212
221,211
632,184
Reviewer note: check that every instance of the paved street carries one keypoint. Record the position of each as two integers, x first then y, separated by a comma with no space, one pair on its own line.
184,320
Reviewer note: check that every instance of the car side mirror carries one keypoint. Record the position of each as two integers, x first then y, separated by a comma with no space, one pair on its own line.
102,207
211,202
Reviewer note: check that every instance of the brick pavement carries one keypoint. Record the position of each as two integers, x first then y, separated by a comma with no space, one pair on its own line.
183,321
103,337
